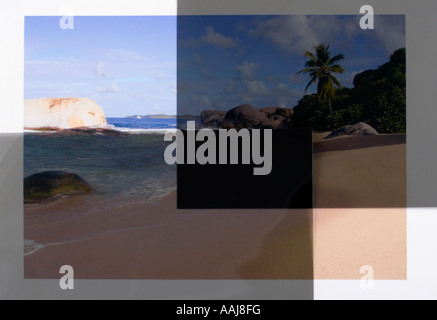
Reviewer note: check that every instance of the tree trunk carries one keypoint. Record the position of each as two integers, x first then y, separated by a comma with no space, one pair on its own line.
330,107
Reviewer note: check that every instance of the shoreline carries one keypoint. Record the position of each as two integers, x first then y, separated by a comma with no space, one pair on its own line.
218,240
154,240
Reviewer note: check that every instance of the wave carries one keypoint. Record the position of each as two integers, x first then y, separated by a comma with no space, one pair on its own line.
142,130
38,131
31,246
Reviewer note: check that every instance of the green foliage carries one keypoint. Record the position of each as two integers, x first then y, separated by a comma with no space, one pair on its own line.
310,113
390,117
352,115
321,67
378,99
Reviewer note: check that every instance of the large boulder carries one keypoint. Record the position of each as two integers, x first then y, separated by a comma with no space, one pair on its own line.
65,113
45,185
359,129
245,116
212,118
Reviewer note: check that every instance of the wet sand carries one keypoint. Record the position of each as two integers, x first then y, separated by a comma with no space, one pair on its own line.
157,241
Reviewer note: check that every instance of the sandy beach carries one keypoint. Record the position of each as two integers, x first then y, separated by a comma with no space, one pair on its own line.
360,219
156,241
360,199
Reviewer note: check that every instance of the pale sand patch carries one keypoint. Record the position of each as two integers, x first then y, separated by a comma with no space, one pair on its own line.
347,239
360,181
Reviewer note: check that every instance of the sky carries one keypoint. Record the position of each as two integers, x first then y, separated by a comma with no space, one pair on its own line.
225,61
126,64
163,64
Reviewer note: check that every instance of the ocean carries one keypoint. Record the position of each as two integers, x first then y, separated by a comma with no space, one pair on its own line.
120,169
142,125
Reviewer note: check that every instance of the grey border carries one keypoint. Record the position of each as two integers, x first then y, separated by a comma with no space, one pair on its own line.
421,160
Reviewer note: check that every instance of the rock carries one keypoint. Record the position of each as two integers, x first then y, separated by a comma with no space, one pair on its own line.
212,118
364,76
63,113
87,131
272,124
245,116
45,185
283,112
269,110
276,117
359,129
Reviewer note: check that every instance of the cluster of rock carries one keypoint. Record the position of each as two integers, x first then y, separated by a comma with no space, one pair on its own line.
246,116
83,131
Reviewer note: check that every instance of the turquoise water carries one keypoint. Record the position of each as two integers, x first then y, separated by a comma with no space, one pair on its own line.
121,169
134,125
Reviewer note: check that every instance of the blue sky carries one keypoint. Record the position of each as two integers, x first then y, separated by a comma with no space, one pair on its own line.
225,61
128,64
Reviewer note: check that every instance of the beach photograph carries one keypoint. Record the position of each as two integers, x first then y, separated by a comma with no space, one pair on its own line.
100,96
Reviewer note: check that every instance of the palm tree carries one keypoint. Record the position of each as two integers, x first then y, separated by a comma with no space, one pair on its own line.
321,68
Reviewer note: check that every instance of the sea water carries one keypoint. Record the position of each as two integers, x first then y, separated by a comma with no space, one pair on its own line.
142,125
121,169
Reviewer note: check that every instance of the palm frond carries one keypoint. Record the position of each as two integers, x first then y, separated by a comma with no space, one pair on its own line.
322,53
313,80
335,59
336,68
336,81
310,55
306,70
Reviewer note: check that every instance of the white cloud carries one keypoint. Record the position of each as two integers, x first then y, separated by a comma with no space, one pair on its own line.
247,70
254,87
211,38
217,39
390,31
288,33
246,88
245,83
297,34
